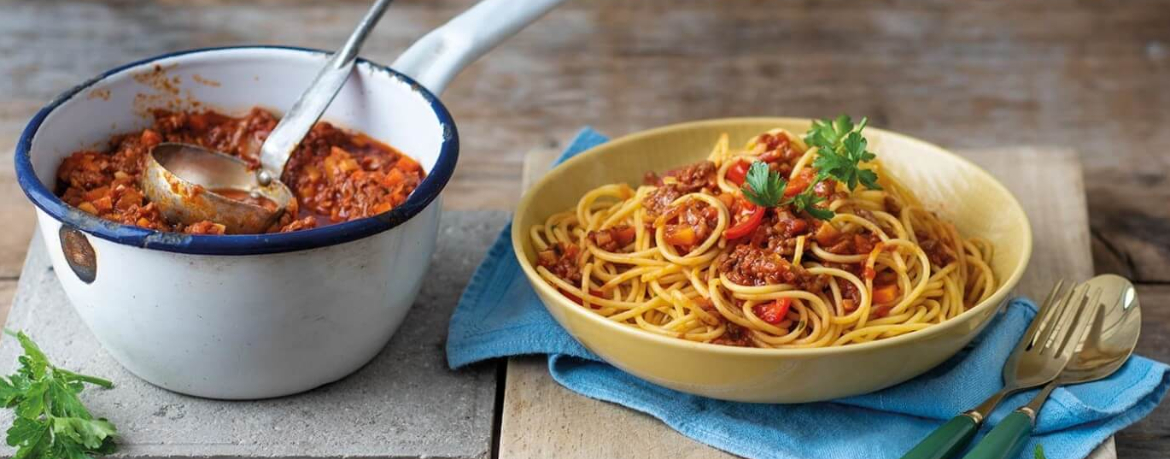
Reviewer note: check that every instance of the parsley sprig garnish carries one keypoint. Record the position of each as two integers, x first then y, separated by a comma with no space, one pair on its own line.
764,187
807,201
840,151
51,421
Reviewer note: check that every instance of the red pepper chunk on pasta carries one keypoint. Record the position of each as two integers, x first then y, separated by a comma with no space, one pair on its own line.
773,312
738,172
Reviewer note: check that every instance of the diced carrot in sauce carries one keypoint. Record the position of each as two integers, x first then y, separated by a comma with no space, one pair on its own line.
129,198
727,199
96,193
681,235
151,138
827,235
885,293
800,182
394,177
407,164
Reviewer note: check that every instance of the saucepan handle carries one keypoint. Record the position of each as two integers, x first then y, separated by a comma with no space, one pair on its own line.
440,55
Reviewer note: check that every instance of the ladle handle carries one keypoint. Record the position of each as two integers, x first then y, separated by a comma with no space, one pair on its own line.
308,109
438,56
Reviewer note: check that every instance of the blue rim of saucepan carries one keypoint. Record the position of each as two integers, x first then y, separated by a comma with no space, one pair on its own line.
250,244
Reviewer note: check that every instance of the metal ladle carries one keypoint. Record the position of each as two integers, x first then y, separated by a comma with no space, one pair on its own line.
190,183
1106,347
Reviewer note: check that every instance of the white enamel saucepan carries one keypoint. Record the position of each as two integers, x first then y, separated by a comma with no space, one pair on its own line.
265,315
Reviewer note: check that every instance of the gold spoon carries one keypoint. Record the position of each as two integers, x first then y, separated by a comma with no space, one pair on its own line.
1106,347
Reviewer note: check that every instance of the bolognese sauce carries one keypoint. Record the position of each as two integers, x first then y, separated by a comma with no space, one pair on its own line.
336,175
788,242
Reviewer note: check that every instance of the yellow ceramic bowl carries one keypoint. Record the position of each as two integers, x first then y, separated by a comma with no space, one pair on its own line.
958,190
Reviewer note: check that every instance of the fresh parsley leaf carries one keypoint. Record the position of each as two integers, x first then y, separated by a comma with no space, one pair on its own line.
66,403
26,431
1039,453
32,439
10,390
51,421
762,186
826,134
33,400
33,362
807,201
840,151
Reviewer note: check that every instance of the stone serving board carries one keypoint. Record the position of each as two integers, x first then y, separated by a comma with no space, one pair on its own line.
406,403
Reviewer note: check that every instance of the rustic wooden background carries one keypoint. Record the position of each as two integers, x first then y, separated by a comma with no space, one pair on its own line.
1093,76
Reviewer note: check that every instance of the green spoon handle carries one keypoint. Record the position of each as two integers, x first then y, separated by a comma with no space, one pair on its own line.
945,441
1006,439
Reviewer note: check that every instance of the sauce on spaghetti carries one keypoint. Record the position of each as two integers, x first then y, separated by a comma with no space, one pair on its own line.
336,175
688,255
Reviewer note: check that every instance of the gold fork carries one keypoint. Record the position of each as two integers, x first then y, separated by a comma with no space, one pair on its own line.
1037,359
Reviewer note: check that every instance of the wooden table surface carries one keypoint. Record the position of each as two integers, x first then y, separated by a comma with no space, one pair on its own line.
1089,76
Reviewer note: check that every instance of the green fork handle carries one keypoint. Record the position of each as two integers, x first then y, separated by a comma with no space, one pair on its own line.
946,441
1006,439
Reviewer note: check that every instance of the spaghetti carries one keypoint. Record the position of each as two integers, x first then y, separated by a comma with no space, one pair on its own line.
694,255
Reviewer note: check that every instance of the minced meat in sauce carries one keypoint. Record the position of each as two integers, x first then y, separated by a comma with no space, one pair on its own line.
336,175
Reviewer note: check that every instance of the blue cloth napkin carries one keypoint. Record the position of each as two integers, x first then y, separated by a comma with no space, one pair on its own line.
499,315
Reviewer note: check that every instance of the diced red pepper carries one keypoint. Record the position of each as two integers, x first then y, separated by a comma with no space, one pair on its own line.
773,312
738,172
746,227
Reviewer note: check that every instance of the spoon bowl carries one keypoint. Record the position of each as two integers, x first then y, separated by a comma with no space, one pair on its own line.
249,204
1113,335
190,184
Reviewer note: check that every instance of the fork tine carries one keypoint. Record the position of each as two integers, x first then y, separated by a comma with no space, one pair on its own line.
1052,322
1071,314
1086,316
1046,310
1060,323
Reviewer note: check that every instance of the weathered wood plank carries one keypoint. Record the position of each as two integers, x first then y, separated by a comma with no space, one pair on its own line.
1084,75
1148,437
533,423
18,222
7,293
